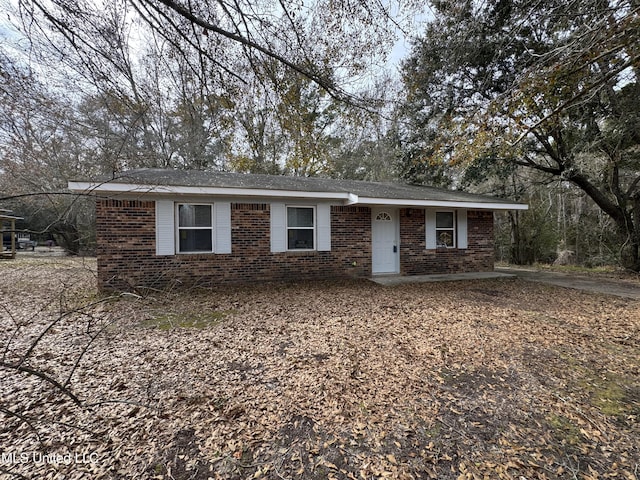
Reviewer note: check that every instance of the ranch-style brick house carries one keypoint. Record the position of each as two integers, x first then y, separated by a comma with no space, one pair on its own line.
157,228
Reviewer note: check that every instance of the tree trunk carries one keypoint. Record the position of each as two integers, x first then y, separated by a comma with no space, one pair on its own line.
630,251
516,239
627,221
68,237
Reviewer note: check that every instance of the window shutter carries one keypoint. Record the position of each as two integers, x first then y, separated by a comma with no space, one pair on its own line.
222,228
462,229
278,228
165,228
323,228
430,221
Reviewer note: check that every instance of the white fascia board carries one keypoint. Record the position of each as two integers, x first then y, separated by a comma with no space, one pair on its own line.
109,187
442,203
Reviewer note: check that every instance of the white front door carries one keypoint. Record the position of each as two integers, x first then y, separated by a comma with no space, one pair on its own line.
384,237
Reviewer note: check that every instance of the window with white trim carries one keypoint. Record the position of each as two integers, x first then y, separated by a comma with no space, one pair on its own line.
383,217
301,228
195,227
445,229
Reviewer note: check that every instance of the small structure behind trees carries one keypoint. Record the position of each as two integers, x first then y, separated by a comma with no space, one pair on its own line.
8,227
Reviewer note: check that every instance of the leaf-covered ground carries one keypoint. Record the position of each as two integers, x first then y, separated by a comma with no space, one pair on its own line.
344,380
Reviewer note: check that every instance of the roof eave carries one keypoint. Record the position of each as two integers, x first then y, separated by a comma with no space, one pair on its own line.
139,189
473,205
345,197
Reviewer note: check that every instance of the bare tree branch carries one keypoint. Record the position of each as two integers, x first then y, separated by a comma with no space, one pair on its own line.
327,85
22,418
20,367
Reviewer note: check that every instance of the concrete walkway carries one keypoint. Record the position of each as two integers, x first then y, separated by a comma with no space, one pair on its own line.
567,280
393,280
600,285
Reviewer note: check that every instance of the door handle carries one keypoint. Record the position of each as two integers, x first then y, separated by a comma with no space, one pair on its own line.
395,249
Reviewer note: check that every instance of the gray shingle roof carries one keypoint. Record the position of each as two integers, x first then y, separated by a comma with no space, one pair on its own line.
383,190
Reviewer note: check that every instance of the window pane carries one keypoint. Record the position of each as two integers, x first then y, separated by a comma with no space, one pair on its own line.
299,217
194,215
195,241
444,219
300,239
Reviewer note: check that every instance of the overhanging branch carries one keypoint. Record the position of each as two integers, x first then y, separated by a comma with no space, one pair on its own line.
330,88
593,88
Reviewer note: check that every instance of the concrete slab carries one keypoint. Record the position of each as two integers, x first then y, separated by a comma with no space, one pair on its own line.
393,280
566,280
577,282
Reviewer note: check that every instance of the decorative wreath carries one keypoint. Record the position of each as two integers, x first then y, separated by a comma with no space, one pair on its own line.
445,239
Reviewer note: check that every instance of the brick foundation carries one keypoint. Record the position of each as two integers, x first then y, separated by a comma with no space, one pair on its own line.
126,246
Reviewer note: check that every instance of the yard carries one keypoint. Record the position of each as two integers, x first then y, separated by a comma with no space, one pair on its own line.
346,380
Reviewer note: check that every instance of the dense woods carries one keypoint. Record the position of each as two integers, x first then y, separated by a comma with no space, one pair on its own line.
538,102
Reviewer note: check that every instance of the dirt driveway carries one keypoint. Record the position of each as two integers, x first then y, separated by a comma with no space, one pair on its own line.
608,286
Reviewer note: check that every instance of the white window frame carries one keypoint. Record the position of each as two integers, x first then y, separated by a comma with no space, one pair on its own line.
179,228
314,228
453,229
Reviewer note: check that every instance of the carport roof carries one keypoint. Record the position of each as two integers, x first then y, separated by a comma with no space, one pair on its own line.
8,215
348,192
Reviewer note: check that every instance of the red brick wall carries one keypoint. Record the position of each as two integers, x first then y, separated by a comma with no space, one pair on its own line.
127,260
126,248
415,260
125,238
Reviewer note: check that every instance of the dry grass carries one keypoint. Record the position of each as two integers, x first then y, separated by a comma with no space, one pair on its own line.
487,379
